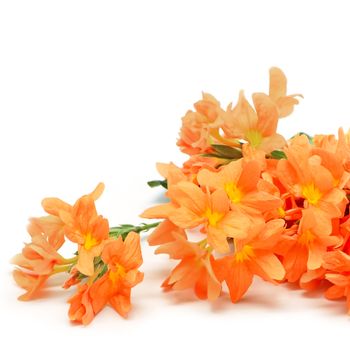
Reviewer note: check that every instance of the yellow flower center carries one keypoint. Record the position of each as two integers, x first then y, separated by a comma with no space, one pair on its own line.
306,238
311,193
254,138
233,192
120,272
89,241
213,217
281,212
244,254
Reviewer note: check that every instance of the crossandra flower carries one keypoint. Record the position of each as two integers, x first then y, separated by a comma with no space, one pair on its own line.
335,155
337,264
240,180
123,259
257,127
196,269
246,202
305,177
253,255
50,227
304,250
190,207
82,225
112,283
36,262
197,126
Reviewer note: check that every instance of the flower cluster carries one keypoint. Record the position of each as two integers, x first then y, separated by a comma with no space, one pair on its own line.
246,203
104,267
250,203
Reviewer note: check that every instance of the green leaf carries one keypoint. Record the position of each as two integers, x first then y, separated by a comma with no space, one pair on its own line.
125,229
227,151
278,155
102,272
156,183
213,155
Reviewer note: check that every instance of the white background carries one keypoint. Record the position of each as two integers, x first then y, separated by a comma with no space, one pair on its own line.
94,90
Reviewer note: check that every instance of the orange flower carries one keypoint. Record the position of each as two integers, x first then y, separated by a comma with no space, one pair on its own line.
31,282
334,155
303,176
39,260
85,304
305,250
278,93
82,226
339,265
197,126
240,181
81,309
123,259
257,127
50,227
253,256
38,256
196,269
191,207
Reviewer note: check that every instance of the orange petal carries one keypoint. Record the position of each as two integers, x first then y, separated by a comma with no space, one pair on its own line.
161,211
267,114
186,194
286,105
165,232
132,256
54,205
32,283
113,250
85,263
121,303
241,119
97,192
273,142
271,267
338,280
316,252
278,83
238,280
185,218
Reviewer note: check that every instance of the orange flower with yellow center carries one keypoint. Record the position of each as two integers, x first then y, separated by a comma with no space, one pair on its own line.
253,256
258,127
304,250
82,225
123,258
190,207
304,176
240,180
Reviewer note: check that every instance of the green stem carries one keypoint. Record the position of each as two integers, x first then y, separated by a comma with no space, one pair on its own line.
124,230
69,261
60,268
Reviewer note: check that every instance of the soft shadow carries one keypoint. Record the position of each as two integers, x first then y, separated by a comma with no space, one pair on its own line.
181,297
336,308
160,198
290,286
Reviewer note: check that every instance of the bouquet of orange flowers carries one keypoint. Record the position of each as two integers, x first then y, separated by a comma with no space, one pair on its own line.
246,203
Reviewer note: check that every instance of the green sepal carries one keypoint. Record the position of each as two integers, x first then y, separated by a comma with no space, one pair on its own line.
224,152
278,155
156,183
